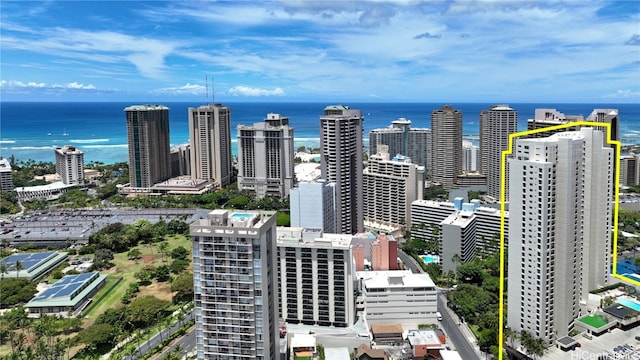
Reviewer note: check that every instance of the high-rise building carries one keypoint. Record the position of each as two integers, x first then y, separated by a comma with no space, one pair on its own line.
414,143
148,138
561,204
180,160
6,175
313,205
470,158
462,229
446,143
630,170
210,139
69,164
341,163
390,186
265,157
317,277
496,124
235,285
550,117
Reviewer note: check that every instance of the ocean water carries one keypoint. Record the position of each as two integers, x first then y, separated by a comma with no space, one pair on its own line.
30,130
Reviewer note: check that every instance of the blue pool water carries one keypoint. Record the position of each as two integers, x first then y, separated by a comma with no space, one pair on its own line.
241,216
430,259
629,303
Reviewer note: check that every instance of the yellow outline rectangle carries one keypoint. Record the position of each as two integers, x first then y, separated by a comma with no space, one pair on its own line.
508,152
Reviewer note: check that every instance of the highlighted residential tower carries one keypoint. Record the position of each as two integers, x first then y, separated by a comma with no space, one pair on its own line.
563,192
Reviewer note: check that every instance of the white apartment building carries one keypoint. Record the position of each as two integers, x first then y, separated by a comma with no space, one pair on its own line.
463,229
69,164
402,139
399,296
265,157
6,175
235,285
470,157
317,277
341,163
560,194
390,186
446,146
210,140
496,124
312,205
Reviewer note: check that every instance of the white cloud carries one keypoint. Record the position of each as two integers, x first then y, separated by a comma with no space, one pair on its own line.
242,90
186,89
16,85
625,94
146,54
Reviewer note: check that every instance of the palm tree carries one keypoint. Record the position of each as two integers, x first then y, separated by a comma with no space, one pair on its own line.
509,335
18,267
456,261
4,269
163,248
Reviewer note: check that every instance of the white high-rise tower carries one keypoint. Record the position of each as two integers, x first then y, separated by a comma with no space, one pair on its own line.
235,285
560,214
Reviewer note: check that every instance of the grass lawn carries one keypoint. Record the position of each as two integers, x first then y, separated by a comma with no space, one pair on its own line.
596,321
126,269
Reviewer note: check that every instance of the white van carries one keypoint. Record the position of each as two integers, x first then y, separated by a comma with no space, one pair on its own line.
438,316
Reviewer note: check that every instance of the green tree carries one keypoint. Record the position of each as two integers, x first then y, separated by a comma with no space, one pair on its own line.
134,254
180,253
144,276
163,249
182,285
99,336
145,309
161,273
18,267
470,272
4,269
178,266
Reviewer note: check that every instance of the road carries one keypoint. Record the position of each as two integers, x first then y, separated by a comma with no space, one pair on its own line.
449,319
409,262
186,343
450,325
156,339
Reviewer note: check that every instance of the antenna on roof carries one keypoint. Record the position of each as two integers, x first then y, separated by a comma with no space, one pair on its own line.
206,86
213,90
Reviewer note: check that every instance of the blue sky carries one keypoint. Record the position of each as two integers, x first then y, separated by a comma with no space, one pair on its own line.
395,51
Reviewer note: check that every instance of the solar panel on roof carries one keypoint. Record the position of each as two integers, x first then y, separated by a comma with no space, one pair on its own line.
64,280
66,291
49,292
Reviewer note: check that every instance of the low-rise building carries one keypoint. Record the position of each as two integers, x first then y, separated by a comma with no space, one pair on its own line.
399,297
425,343
32,266
67,296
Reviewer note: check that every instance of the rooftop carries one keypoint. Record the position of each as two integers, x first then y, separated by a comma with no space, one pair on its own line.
34,265
145,107
423,337
395,279
68,291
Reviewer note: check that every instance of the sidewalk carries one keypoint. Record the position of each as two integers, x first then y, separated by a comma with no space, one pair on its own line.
464,329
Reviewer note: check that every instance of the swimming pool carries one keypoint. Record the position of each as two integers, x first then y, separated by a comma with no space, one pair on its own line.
631,304
241,216
428,259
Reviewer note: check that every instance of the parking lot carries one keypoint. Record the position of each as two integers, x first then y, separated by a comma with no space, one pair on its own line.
67,227
599,347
